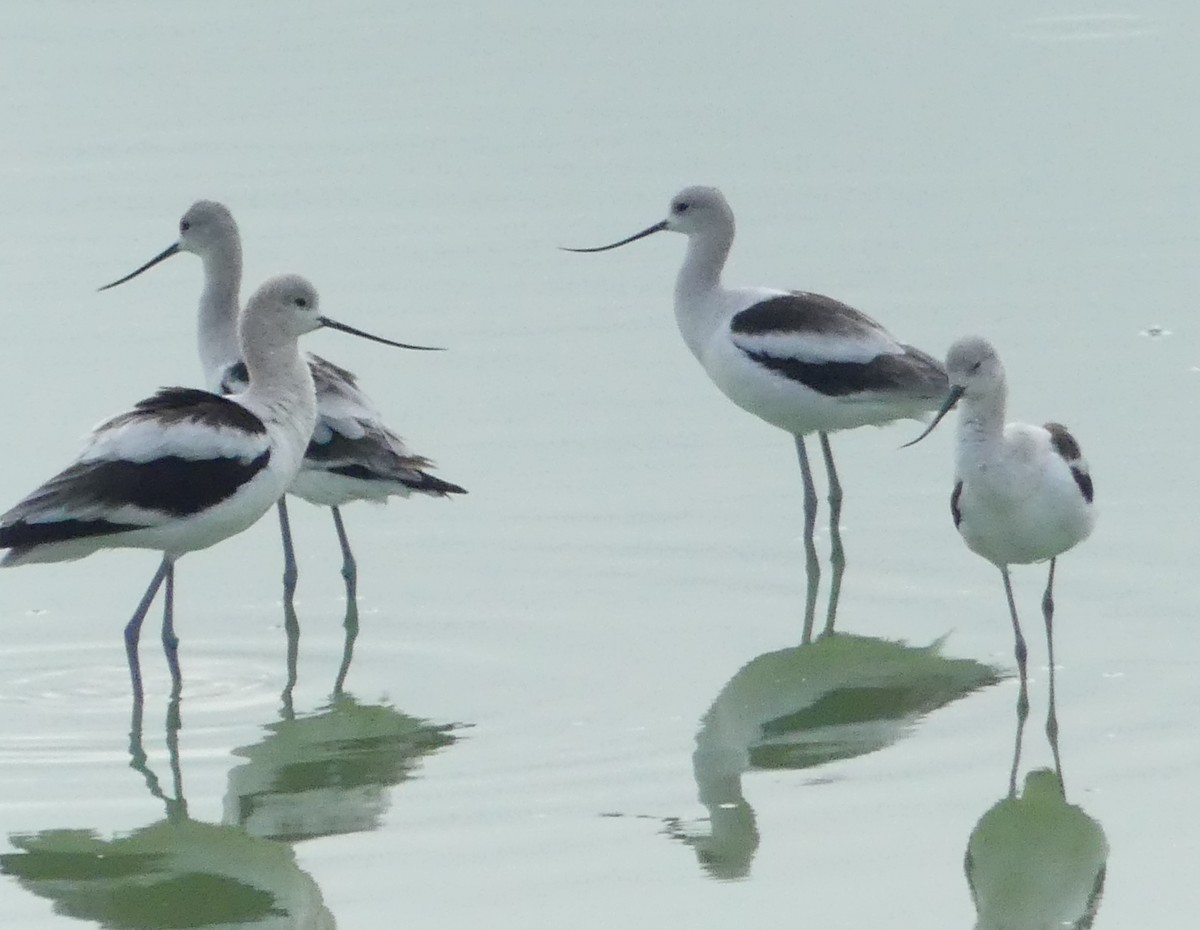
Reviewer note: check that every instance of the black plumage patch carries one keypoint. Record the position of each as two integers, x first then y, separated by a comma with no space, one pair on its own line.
1084,480
25,536
954,508
803,313
1064,443
187,405
170,485
236,378
1066,446
882,373
415,480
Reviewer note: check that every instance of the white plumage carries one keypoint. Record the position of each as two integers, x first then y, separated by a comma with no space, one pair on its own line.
1021,493
352,455
800,361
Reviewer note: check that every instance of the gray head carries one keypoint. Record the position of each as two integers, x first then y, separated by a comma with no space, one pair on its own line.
207,228
693,211
286,307
975,372
974,367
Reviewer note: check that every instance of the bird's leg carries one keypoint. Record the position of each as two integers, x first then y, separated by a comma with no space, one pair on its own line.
169,640
349,567
133,628
290,572
291,626
837,555
351,625
1019,651
812,565
1052,714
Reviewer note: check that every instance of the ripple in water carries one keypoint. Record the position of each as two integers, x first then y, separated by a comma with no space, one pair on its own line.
1086,27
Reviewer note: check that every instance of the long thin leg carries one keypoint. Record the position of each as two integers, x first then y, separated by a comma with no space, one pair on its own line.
138,760
837,555
290,572
1016,761
169,640
1019,651
291,626
133,629
351,625
1052,714
349,567
812,565
178,809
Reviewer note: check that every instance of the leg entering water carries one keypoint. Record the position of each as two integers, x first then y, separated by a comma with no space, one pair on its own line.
291,626
1016,761
351,625
290,573
812,565
349,567
837,555
133,628
1019,651
1052,713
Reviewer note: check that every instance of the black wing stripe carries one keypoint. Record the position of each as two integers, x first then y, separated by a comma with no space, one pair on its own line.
838,379
802,313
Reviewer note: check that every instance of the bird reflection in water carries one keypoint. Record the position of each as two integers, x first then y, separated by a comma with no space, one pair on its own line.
1034,861
177,872
328,772
838,697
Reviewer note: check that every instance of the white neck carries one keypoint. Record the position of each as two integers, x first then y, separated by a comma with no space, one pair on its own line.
217,330
981,420
281,385
699,297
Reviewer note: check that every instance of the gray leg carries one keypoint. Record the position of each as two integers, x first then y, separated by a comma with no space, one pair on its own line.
1019,650
1052,714
837,555
169,640
290,572
349,568
133,628
351,625
1016,760
291,626
812,565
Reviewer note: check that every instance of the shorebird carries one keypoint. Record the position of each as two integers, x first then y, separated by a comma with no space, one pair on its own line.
353,455
1022,493
184,469
803,362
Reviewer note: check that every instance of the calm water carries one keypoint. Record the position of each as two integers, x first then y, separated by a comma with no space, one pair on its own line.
577,698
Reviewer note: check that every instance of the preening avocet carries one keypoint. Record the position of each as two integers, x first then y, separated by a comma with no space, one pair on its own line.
184,469
1022,493
800,361
353,455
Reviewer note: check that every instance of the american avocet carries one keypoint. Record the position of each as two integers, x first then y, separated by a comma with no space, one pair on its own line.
184,469
800,361
1022,493
353,455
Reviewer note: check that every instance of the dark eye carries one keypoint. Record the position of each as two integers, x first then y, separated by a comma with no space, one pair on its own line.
184,226
681,207
976,366
300,302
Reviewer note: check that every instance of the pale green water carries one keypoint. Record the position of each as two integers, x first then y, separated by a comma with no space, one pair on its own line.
562,677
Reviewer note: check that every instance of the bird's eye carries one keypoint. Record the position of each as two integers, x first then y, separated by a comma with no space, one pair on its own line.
300,302
976,366
682,207
184,226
